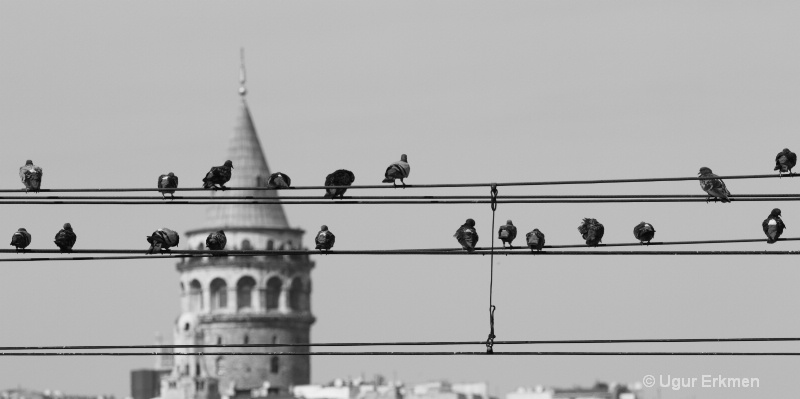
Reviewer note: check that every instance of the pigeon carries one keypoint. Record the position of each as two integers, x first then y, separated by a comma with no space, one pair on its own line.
535,240
398,170
467,236
713,186
507,233
325,239
216,241
279,180
31,176
218,176
592,231
168,181
162,238
65,238
21,239
341,177
773,226
785,161
644,232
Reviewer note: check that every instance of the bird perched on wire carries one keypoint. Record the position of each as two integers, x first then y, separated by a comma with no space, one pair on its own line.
398,170
535,239
218,176
279,180
21,239
162,238
341,177
324,239
714,186
785,161
507,233
467,236
773,226
592,231
216,241
167,181
31,176
644,232
65,238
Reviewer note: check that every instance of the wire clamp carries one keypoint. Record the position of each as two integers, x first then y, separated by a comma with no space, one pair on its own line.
494,196
490,339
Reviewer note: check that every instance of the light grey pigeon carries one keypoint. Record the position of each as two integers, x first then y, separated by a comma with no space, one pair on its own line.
324,239
162,239
65,238
507,233
21,239
398,170
31,176
644,232
168,181
715,187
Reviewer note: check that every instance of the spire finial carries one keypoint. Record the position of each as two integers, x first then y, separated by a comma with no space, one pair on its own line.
242,89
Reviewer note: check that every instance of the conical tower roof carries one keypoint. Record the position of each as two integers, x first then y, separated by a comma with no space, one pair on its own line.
249,170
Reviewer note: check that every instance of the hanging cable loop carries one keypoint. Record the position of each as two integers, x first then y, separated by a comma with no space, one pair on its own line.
494,196
490,339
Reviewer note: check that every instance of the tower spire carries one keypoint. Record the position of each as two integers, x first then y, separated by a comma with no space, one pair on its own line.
242,89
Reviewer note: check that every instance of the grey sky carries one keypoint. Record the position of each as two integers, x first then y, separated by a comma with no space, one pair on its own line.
112,94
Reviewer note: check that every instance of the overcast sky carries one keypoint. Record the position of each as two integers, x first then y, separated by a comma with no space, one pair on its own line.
112,94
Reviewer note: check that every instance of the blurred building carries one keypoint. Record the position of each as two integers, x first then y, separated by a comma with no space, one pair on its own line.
600,390
242,300
22,393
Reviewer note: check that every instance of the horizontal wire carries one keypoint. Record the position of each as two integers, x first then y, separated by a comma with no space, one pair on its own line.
402,343
407,353
384,202
384,186
376,197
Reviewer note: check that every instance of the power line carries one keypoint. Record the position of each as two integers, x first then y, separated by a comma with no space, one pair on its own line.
401,343
406,353
385,186
160,199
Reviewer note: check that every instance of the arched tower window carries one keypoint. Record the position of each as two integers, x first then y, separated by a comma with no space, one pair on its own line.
219,366
201,246
246,245
197,369
270,245
274,365
195,296
219,294
244,292
297,296
246,339
274,286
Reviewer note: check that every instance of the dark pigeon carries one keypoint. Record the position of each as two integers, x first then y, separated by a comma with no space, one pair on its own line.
507,233
341,177
167,181
65,238
162,238
279,180
713,186
592,231
785,161
216,241
644,232
398,170
31,176
218,176
773,226
535,240
324,239
21,239
467,236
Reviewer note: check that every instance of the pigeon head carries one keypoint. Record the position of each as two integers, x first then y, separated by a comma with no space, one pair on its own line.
324,228
470,223
508,222
29,162
67,226
229,164
786,151
22,229
704,170
775,212
404,158
170,174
